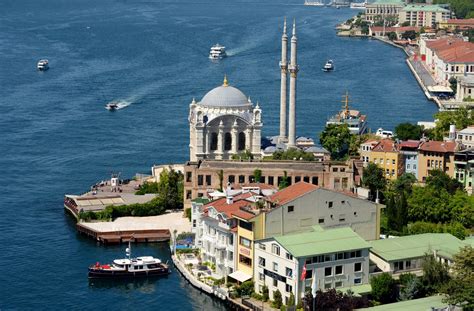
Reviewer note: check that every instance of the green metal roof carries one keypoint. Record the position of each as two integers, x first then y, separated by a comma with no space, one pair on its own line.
318,242
387,2
415,246
422,304
201,200
425,8
358,290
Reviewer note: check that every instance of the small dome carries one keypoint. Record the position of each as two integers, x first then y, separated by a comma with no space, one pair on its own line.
225,96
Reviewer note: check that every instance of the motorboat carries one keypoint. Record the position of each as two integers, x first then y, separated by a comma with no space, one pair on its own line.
314,3
112,106
358,5
146,266
42,65
383,133
217,52
329,66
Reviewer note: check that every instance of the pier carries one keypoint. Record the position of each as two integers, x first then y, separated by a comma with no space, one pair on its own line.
119,236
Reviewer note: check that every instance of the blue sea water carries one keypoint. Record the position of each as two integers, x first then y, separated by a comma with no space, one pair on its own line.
57,138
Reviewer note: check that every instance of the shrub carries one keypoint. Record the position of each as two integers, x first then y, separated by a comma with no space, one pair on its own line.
187,213
277,299
384,288
265,293
245,289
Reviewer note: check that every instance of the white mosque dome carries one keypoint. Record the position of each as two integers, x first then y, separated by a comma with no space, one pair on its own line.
225,96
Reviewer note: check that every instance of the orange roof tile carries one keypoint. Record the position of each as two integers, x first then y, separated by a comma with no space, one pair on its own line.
386,145
462,22
292,192
438,146
409,144
221,206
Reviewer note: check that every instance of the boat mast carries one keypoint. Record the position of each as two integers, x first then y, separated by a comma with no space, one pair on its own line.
345,101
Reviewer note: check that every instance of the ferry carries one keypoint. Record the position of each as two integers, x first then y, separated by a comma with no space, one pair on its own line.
356,121
42,65
329,66
358,5
314,3
217,52
146,266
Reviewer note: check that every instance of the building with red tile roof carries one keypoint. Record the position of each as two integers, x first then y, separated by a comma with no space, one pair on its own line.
457,24
386,154
291,193
437,155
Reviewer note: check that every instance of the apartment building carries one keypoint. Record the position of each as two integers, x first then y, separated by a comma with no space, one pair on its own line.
336,258
387,156
365,149
424,15
465,137
436,155
464,169
465,88
409,151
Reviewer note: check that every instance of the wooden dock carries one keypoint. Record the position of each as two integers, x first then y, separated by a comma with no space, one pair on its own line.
123,236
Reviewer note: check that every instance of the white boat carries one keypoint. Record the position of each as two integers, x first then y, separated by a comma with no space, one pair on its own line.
329,66
42,65
146,266
112,106
358,5
217,52
314,3
383,133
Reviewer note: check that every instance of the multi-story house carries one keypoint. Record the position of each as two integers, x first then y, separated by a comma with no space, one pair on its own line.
387,156
464,168
423,15
465,137
435,155
465,88
383,9
336,258
457,24
365,149
409,151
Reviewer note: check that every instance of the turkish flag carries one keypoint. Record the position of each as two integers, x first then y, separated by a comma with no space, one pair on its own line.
303,273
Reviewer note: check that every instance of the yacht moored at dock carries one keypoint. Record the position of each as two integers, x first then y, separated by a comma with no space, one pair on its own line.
217,52
42,65
146,266
356,121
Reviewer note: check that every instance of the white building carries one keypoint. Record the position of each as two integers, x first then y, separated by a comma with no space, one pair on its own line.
381,9
339,258
224,123
466,137
465,87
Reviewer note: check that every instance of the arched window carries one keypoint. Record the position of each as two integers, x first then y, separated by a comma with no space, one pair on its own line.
213,141
241,141
227,141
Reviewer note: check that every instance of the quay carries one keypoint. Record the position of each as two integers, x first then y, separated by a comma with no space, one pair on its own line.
138,229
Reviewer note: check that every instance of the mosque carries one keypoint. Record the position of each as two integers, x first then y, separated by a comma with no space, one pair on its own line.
226,122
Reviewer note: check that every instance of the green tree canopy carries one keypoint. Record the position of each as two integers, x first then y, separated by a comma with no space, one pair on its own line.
462,8
405,131
374,179
440,180
337,138
293,154
384,288
460,290
435,274
461,117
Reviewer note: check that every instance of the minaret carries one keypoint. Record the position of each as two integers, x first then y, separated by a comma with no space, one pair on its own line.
293,69
284,69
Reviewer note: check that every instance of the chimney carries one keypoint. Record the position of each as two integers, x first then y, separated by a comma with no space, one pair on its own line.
229,199
452,132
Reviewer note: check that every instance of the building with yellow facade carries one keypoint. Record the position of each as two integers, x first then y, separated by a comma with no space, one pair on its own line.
436,155
387,156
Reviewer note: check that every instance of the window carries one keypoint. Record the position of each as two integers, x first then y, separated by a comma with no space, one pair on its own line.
358,253
231,179
393,161
194,223
200,194
271,180
245,260
227,141
261,261
309,274
334,169
358,267
338,270
338,284
289,256
213,145
291,208
288,288
328,271
314,180
407,264
328,285
189,175
342,218
339,256
321,220
241,141
245,242
275,266
241,179
398,265
330,204
306,179
289,272
261,277
188,194
262,246
208,180
297,179
357,280
200,180
245,225
408,166
276,249
275,284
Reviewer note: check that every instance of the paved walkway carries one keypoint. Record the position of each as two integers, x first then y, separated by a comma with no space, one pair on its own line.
423,73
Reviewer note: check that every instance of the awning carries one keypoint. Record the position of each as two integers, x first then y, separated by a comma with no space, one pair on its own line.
440,89
240,276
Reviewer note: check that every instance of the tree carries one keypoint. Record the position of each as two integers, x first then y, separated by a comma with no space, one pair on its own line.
409,34
392,36
293,154
405,131
257,174
460,290
284,181
277,300
374,179
170,189
461,117
336,138
404,183
435,274
461,8
440,180
384,288
265,293
220,174
405,24
429,204
411,287
291,300
245,289
333,300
